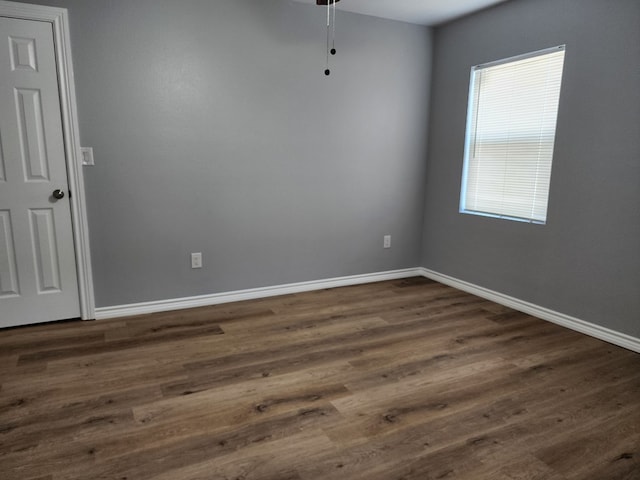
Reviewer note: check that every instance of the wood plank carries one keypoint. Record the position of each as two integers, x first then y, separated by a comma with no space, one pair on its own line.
404,379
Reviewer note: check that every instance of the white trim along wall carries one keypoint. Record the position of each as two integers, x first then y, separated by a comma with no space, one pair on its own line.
596,331
59,19
250,294
611,336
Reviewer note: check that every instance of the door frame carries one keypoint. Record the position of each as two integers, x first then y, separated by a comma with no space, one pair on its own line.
59,19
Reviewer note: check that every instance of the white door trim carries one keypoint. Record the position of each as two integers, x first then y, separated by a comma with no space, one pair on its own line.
59,19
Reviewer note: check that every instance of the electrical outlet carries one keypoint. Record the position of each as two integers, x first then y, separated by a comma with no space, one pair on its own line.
387,241
196,260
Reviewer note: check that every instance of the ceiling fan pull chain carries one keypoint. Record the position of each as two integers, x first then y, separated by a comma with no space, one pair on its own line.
327,71
331,30
333,38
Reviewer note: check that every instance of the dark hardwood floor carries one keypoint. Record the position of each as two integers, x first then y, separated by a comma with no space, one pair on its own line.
396,380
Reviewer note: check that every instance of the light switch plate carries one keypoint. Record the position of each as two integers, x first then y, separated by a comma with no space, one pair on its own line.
87,156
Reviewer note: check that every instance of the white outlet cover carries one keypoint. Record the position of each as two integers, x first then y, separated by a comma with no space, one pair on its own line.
196,260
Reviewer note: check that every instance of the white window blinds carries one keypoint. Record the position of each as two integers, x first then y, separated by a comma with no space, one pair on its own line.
511,125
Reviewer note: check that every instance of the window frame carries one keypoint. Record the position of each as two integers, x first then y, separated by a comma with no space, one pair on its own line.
472,113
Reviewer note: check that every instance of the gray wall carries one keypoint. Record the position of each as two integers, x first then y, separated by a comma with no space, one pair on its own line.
586,261
216,131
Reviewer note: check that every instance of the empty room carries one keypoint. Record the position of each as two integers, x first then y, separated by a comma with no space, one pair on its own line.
320,239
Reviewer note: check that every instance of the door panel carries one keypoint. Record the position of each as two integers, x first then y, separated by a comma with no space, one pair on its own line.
8,270
30,124
3,175
38,279
45,250
23,53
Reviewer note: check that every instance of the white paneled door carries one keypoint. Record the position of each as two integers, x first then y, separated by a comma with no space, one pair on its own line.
38,278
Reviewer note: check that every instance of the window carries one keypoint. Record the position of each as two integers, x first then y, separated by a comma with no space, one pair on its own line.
511,127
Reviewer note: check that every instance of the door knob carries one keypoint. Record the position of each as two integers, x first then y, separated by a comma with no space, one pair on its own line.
58,194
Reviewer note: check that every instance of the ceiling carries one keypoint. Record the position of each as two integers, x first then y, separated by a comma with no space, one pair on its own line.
423,12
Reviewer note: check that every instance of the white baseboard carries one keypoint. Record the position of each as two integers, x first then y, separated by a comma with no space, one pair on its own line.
103,313
602,333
